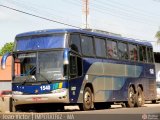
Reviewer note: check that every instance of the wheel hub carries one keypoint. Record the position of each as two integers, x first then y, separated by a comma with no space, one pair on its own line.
131,96
139,99
87,98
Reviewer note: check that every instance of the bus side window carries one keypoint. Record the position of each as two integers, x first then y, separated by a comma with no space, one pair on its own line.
142,54
75,42
79,66
87,46
122,51
100,47
150,55
133,52
112,49
75,66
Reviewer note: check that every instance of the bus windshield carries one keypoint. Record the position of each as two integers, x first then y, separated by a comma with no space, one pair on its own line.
51,65
40,66
40,42
25,64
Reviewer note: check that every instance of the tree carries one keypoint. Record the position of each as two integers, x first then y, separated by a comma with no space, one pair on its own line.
8,47
158,36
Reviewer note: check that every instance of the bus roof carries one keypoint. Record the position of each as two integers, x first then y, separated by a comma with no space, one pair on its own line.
50,31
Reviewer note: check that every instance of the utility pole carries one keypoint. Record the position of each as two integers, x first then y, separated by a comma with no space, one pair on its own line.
85,12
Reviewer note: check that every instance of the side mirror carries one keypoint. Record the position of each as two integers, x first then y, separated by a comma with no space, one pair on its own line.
66,60
4,59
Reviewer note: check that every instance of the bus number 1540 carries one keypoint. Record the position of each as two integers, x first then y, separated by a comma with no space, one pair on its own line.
45,87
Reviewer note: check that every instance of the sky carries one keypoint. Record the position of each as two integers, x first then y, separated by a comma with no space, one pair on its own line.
138,19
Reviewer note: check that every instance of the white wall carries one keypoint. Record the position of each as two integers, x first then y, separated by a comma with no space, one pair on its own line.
5,86
157,65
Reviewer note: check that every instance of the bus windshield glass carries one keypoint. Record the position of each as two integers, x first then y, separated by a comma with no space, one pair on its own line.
40,42
51,65
25,64
40,66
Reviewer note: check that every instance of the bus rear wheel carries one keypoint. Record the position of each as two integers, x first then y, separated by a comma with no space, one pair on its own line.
139,97
131,97
87,99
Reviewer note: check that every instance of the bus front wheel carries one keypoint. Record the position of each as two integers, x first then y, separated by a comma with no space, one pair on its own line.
87,99
13,107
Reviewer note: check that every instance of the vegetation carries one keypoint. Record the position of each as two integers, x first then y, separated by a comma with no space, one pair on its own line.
8,47
158,36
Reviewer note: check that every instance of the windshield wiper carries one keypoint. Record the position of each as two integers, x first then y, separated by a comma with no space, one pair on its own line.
45,78
29,78
28,75
25,80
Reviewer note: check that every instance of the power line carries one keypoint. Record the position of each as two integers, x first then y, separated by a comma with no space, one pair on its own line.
100,9
123,12
46,10
128,12
121,16
128,18
37,16
103,9
130,8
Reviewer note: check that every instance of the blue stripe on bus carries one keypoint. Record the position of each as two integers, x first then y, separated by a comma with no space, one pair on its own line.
29,89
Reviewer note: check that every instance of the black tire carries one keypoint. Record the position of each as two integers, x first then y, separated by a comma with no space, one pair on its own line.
13,109
154,101
131,97
139,97
88,103
12,106
124,104
19,108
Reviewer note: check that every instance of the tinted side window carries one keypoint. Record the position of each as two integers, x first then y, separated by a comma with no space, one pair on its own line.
150,55
133,52
75,66
75,42
87,45
100,47
122,50
142,53
112,49
79,66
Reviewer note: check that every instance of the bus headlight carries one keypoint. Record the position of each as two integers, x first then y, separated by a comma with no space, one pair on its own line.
17,93
59,91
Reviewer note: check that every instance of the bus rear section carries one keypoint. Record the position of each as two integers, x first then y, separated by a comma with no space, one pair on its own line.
115,69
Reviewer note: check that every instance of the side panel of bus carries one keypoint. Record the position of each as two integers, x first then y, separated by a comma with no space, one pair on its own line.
111,80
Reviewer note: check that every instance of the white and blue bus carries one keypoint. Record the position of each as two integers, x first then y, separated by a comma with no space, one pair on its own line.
72,66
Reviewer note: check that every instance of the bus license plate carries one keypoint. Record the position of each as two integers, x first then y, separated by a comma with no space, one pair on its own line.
36,99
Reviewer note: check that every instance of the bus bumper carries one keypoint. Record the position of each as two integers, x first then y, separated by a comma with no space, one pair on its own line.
61,97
